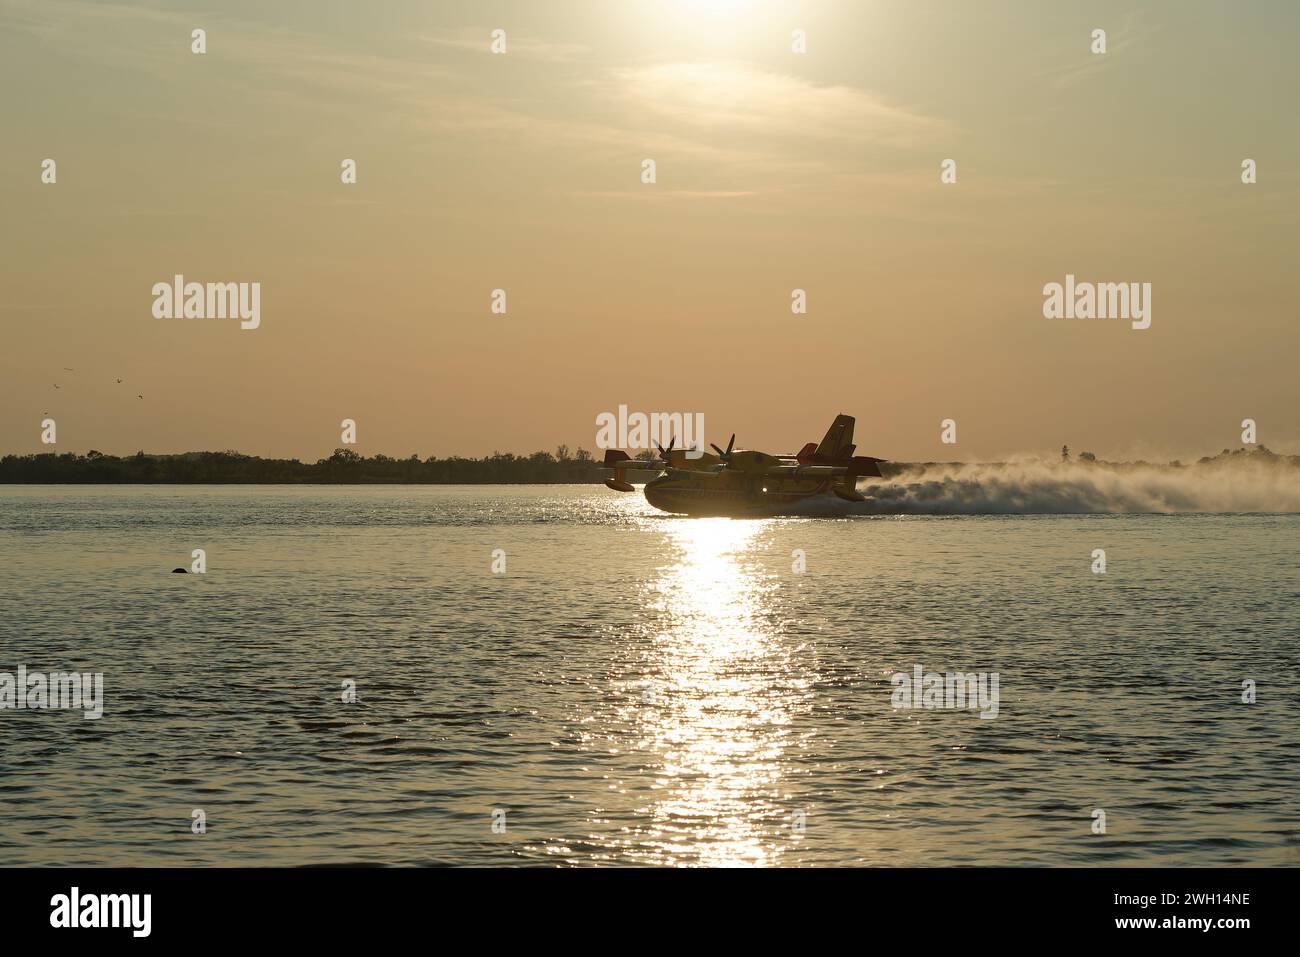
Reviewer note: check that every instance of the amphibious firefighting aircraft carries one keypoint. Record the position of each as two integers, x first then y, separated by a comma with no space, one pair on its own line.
738,482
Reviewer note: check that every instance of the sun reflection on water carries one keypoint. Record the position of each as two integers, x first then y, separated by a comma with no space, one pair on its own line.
724,689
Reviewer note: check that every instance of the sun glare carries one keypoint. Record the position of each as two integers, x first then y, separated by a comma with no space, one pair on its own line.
731,689
715,6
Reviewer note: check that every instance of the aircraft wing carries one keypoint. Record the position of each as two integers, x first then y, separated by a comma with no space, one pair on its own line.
819,471
859,466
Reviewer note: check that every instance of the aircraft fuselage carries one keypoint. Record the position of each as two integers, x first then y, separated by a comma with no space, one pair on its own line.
732,493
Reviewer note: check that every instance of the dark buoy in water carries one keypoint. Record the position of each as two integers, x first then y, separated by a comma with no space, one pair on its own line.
180,571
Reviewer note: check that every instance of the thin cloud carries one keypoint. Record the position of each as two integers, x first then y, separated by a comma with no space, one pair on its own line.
1089,64
737,97
643,195
478,42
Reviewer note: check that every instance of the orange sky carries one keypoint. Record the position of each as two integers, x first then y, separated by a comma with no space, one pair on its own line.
775,171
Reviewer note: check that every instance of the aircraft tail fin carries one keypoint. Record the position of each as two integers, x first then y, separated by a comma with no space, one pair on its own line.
838,443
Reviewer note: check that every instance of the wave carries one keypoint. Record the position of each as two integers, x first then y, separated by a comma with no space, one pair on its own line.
1249,483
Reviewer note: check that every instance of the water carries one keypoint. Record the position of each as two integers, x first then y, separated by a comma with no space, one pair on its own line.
639,689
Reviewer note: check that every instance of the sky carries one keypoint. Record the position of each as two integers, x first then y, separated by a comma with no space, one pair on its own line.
774,171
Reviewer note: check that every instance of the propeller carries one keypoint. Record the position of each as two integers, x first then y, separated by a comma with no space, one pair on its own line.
725,456
665,452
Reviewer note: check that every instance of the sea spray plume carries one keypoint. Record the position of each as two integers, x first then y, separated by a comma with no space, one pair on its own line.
1256,481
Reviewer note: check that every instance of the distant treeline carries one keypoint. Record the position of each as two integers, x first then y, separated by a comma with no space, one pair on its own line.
346,467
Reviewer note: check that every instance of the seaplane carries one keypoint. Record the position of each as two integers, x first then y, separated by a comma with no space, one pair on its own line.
741,483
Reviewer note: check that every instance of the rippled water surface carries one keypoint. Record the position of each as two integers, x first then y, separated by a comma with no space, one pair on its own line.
637,688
